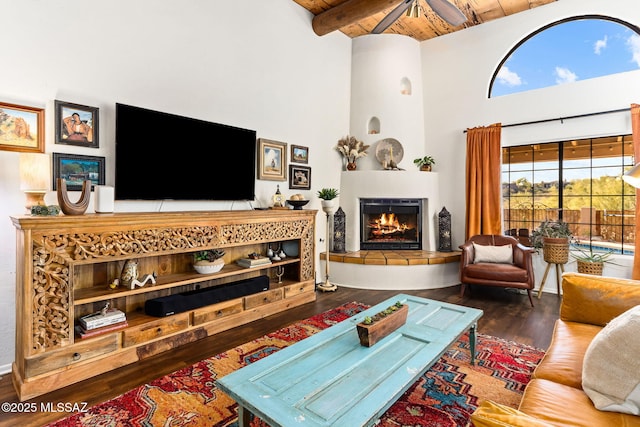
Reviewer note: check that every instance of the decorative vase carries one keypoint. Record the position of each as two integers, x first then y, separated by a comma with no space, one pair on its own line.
351,166
328,206
208,267
374,332
590,267
555,250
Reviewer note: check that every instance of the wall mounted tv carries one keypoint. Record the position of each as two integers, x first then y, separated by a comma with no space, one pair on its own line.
162,156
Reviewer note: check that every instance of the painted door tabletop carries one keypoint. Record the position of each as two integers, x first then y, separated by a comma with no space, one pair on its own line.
329,379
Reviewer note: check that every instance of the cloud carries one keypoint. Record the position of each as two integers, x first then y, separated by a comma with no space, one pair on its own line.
633,43
599,45
565,75
508,77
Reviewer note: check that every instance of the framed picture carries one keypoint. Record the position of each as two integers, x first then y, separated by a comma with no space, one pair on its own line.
299,154
272,160
299,177
76,124
75,169
21,128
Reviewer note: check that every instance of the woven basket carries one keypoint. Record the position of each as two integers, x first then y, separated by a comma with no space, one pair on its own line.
587,267
555,251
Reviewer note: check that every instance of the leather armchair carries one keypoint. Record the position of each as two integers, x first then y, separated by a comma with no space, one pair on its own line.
518,275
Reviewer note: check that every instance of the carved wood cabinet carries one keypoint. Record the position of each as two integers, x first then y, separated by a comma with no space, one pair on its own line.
66,263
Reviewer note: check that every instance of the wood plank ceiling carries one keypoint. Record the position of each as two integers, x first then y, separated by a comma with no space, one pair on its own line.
358,17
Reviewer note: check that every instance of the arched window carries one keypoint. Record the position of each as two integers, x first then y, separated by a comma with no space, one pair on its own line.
572,49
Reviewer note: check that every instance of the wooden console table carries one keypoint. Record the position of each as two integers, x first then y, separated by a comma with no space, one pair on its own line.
66,263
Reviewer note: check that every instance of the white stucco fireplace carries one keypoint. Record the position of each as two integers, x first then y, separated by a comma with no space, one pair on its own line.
384,184
372,184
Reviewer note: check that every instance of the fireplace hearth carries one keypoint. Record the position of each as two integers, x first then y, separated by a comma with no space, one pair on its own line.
391,223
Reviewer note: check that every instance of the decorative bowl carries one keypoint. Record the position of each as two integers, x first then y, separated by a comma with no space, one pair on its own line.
297,204
208,268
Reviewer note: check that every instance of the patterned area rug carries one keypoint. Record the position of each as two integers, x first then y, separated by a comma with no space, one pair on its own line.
445,396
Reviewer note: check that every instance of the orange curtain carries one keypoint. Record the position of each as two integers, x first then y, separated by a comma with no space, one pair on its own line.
635,129
483,191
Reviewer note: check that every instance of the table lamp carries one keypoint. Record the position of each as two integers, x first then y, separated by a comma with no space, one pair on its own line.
35,174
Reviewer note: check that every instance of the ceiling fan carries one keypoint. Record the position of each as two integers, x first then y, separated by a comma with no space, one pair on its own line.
443,8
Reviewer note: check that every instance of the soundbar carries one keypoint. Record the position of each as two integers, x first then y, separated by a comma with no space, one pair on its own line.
178,303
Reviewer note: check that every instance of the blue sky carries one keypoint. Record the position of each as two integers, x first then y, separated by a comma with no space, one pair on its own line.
568,52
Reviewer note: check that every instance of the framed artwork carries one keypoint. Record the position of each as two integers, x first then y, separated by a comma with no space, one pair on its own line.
299,177
75,169
299,154
21,128
76,124
272,160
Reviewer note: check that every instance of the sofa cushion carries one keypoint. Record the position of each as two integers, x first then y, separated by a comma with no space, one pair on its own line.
595,299
486,271
561,405
495,254
611,372
562,361
491,414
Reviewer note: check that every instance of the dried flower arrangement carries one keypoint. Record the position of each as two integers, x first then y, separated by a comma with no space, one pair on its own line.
351,148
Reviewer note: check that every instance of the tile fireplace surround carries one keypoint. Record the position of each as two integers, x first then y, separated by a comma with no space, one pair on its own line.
363,184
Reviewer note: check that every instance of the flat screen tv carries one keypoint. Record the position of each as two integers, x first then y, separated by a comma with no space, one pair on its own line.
162,156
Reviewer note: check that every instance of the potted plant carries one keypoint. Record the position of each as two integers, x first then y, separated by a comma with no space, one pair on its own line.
208,261
352,150
425,163
327,195
373,328
590,262
553,237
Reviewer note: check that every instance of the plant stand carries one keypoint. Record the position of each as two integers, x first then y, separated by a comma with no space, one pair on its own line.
326,286
559,267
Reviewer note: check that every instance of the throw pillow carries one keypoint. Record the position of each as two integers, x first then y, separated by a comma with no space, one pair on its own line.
496,254
492,414
611,367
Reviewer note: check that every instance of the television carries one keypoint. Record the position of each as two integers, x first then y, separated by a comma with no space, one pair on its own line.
163,156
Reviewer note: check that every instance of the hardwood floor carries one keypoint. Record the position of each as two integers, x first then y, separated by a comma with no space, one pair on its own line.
507,314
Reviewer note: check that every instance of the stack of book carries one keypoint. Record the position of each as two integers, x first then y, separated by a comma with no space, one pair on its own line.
253,262
101,322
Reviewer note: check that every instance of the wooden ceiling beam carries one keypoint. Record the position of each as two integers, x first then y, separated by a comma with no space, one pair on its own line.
348,13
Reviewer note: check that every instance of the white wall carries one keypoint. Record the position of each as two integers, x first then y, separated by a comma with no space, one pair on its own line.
457,71
252,64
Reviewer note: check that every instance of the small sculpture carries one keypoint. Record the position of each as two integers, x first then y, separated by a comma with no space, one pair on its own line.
129,272
147,278
69,208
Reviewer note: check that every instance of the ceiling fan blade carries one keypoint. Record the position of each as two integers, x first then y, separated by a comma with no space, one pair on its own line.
392,16
447,11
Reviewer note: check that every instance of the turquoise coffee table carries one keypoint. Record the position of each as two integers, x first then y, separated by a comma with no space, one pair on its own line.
329,379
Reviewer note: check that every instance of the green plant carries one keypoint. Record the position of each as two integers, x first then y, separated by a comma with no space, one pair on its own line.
208,255
369,320
328,193
547,228
579,254
424,161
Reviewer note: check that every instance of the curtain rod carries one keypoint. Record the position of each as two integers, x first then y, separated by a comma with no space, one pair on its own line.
563,118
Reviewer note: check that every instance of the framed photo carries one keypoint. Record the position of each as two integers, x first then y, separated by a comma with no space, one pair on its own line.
75,169
76,124
272,160
299,177
21,128
299,154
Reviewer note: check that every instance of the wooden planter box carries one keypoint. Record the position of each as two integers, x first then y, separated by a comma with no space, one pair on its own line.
371,334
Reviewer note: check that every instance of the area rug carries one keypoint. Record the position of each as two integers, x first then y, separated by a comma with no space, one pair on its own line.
445,396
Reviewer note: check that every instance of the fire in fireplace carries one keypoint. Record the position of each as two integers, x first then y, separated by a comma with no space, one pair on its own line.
390,224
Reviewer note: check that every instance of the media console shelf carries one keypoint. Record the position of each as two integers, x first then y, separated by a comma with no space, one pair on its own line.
66,263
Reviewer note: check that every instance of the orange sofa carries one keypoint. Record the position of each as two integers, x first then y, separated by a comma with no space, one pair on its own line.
555,395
